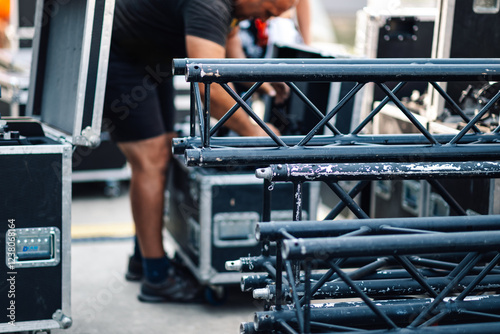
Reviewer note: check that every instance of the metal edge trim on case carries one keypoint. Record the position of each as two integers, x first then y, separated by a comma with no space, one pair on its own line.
83,71
55,134
30,325
194,227
442,40
35,56
441,46
66,231
230,179
314,199
116,174
205,266
103,64
32,149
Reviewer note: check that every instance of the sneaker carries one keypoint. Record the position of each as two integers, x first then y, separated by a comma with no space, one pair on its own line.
178,287
134,270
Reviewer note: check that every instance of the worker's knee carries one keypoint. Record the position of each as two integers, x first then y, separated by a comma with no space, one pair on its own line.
148,156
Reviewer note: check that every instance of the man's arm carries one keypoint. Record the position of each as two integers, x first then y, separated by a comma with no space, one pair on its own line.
220,101
304,19
234,49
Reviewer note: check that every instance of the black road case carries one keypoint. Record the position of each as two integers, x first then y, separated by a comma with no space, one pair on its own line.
394,30
68,72
464,29
417,198
211,214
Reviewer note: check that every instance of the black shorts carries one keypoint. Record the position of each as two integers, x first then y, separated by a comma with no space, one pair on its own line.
139,99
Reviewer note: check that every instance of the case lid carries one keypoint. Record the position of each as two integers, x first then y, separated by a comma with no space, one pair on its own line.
69,66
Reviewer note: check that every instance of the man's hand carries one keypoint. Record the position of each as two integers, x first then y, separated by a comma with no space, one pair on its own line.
278,90
282,92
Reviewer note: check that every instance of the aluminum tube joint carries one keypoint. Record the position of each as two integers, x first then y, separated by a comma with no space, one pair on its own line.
235,265
264,173
179,66
262,293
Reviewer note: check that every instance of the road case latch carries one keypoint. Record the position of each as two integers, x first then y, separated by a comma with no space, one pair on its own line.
88,137
33,247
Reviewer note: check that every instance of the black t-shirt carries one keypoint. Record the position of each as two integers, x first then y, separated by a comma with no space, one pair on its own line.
155,30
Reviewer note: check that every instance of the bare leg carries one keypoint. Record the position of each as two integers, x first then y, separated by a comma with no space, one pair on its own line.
148,160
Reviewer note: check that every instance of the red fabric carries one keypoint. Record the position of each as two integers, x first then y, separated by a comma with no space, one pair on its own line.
262,36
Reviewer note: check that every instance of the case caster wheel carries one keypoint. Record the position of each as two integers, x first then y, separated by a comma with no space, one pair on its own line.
112,189
215,295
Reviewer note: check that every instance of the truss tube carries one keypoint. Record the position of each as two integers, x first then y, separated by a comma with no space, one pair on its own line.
181,144
179,66
257,156
377,171
370,72
442,261
270,231
258,281
477,328
381,245
387,287
357,314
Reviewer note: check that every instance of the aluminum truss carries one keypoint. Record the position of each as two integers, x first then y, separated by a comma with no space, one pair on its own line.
351,147
404,275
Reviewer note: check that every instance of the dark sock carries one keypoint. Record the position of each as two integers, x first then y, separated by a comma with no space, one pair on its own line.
156,269
137,250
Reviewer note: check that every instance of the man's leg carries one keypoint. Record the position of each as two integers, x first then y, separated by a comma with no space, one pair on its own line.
148,159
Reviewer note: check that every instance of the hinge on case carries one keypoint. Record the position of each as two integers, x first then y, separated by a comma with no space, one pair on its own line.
63,320
88,137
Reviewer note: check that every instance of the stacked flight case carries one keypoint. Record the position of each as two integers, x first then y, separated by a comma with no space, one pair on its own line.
211,214
417,198
394,29
104,163
68,72
464,29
